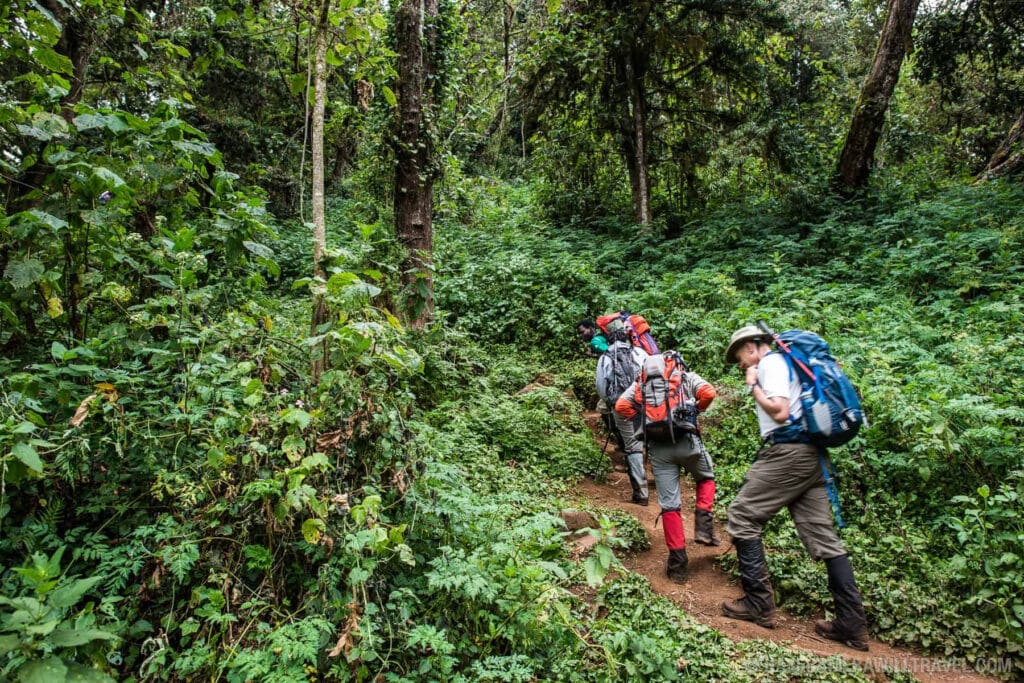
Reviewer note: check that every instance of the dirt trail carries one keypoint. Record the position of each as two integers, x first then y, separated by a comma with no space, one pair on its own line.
707,585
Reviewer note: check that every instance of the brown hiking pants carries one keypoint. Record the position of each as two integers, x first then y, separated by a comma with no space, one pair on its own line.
787,475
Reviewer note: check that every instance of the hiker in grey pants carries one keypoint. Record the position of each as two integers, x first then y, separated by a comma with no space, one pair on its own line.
617,368
787,473
647,403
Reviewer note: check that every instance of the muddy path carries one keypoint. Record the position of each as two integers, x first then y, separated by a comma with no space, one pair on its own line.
707,586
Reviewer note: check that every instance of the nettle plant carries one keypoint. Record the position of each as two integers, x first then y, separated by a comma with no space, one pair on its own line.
46,634
989,562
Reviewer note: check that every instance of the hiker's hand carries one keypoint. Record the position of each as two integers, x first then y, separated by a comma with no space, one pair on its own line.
751,377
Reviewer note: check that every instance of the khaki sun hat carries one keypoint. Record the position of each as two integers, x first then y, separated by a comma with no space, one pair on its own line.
741,337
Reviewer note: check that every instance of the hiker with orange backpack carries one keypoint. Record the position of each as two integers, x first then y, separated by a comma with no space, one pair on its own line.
799,414
663,403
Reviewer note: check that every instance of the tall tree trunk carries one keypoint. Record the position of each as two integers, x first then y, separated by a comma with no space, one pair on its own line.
866,126
1008,158
627,100
320,312
416,38
638,105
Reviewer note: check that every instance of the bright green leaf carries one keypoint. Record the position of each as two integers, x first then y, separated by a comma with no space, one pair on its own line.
44,126
49,670
312,530
108,177
69,595
28,455
299,418
83,674
24,427
9,643
76,637
49,59
48,219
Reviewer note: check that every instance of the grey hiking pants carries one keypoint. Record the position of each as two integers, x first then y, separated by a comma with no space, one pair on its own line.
634,453
787,475
669,459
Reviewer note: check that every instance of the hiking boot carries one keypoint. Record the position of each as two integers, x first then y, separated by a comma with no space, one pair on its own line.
742,610
829,629
704,528
850,625
758,602
641,500
677,562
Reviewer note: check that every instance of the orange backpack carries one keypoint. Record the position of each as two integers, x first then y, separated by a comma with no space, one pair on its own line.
667,412
637,327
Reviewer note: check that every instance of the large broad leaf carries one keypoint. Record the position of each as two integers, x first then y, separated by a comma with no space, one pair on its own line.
68,595
49,670
74,637
24,272
108,176
24,427
259,249
9,643
44,126
48,219
163,280
297,417
312,530
82,674
109,121
28,455
206,149
41,22
53,61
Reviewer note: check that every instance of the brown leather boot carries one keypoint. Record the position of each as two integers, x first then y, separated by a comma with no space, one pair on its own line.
741,609
850,625
758,602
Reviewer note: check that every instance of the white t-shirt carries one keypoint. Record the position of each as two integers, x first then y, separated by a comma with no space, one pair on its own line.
774,377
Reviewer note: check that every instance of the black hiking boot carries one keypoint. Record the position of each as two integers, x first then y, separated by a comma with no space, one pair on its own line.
850,625
677,562
704,528
758,602
641,500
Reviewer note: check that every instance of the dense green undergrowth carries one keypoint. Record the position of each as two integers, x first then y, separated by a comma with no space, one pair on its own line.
180,501
920,298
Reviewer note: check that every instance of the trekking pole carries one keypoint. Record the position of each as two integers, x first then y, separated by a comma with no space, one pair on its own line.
782,345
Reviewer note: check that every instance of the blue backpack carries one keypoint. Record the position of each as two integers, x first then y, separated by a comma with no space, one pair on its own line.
832,414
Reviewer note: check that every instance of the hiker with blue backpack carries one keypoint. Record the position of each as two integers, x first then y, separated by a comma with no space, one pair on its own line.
617,369
663,404
804,403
